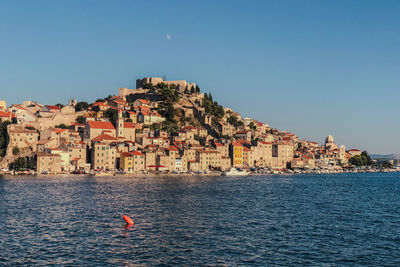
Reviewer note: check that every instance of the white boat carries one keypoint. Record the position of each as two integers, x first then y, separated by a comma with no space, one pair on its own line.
236,172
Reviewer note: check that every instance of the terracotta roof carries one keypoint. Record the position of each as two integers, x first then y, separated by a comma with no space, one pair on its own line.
195,145
137,153
104,104
101,125
104,137
19,107
126,154
265,143
119,101
5,114
52,107
141,108
144,101
145,112
58,130
172,148
131,154
236,143
129,125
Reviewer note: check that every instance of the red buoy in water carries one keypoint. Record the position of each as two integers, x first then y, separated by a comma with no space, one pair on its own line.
128,220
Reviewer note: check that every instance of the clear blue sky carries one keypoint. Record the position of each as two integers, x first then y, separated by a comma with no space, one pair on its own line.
309,67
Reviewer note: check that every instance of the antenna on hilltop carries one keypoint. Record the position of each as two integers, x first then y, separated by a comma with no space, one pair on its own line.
164,77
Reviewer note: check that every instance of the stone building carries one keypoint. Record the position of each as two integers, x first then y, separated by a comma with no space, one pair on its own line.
282,154
225,128
103,156
181,85
47,162
22,138
208,159
330,143
95,128
132,161
6,116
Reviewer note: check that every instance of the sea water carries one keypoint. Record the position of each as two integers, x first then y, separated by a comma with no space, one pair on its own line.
326,219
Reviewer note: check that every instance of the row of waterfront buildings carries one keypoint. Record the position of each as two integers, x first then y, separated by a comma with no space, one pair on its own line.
88,140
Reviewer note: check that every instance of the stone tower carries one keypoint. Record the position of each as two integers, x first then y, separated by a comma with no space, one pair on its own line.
120,124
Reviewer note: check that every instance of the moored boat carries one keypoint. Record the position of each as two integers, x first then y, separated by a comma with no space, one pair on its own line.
236,172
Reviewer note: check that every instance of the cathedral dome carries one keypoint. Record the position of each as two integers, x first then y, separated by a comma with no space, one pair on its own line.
329,139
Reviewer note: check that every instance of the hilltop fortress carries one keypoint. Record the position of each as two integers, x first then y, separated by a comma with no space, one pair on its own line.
181,85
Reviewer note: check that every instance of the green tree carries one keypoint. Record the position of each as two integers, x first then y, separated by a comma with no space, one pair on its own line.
63,126
112,115
80,106
299,146
3,137
212,107
155,127
31,162
233,120
100,100
80,119
19,164
147,86
361,160
366,158
60,105
15,151
387,165
168,93
96,108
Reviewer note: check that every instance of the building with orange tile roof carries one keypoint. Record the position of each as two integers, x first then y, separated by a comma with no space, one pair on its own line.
95,128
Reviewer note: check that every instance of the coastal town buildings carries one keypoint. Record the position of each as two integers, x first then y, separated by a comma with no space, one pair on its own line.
132,132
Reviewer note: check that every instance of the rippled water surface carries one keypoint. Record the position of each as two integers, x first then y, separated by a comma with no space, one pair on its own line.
343,219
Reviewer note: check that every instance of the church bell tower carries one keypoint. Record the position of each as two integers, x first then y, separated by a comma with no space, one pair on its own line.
120,124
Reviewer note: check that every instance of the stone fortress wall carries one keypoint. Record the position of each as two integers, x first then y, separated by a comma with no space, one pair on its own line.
181,85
